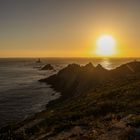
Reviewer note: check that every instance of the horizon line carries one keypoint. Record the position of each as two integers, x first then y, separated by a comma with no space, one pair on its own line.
69,57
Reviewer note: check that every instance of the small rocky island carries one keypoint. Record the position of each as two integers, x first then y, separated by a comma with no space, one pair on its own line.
96,104
47,67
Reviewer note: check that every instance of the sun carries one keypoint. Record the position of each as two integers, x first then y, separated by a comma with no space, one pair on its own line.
106,46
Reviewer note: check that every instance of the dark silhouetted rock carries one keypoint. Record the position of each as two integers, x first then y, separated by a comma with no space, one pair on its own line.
47,67
89,65
76,79
127,69
100,67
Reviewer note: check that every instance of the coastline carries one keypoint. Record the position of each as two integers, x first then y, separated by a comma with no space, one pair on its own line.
51,95
111,104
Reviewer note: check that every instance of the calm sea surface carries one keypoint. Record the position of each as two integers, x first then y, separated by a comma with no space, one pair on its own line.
21,95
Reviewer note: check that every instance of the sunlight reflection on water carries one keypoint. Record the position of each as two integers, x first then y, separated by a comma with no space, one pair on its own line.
106,63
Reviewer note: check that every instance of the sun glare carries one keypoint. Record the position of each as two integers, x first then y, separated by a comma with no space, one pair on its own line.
106,46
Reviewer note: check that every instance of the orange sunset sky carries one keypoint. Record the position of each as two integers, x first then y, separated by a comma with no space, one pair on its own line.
68,28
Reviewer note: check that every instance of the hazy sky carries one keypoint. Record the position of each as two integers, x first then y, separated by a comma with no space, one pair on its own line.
59,28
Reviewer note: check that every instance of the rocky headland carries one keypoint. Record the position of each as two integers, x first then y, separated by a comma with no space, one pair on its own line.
96,104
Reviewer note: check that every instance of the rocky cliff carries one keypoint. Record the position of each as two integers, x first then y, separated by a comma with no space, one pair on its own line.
76,79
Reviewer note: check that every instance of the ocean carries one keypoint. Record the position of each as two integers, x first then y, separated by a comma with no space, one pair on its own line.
21,95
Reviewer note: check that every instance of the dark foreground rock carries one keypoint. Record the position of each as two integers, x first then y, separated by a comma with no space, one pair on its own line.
96,104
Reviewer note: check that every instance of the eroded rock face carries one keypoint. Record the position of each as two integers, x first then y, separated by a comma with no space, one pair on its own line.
47,67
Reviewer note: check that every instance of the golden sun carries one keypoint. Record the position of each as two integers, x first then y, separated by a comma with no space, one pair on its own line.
106,46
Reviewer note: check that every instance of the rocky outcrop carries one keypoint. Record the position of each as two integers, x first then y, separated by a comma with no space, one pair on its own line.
76,79
47,67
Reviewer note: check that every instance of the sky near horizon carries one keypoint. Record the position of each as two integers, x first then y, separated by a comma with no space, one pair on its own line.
67,28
